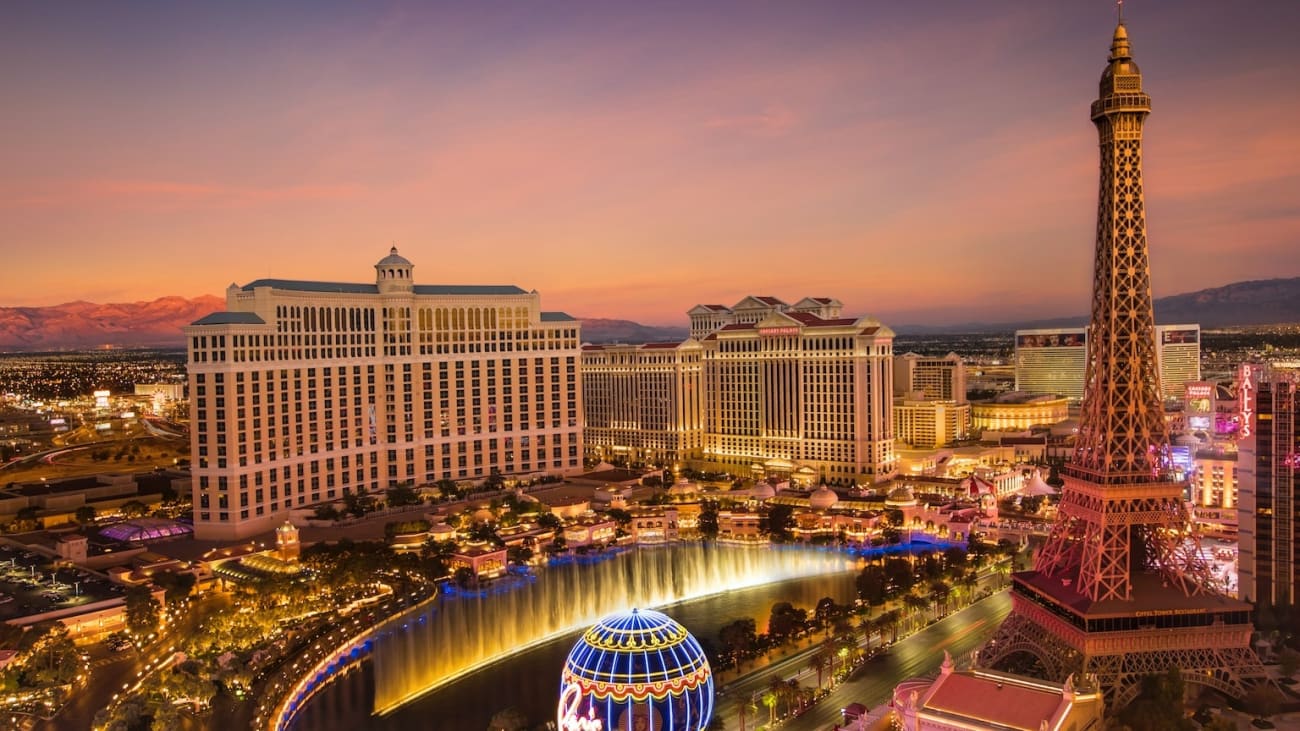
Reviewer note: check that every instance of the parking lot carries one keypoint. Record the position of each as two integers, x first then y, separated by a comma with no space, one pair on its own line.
29,584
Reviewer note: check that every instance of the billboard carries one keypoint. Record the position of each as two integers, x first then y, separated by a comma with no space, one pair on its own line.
1178,337
1051,340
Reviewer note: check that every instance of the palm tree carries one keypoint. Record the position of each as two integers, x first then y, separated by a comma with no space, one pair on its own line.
818,663
891,619
769,700
1004,572
741,704
914,604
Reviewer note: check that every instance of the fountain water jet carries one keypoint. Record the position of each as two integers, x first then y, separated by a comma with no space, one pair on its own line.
415,653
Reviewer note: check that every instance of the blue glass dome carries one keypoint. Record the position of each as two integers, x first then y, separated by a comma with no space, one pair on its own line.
636,671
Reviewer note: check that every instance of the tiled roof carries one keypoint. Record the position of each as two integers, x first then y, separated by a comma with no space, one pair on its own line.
812,320
768,300
665,346
1007,704
738,326
230,318
294,285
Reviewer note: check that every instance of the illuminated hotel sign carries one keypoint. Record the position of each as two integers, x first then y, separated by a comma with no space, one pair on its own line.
1246,395
1166,612
1174,337
1200,391
1051,340
567,715
778,331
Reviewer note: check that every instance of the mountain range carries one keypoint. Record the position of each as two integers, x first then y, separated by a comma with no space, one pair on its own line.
157,323
1256,302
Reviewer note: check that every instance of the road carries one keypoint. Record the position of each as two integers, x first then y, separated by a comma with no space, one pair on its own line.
873,684
111,672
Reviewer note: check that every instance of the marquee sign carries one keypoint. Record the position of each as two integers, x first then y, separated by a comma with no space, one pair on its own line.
568,716
1246,396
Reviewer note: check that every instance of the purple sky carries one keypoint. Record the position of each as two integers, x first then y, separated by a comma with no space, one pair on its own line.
923,162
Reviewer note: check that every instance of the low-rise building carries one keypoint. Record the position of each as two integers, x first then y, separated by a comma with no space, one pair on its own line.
590,532
653,525
740,526
980,700
1018,410
485,561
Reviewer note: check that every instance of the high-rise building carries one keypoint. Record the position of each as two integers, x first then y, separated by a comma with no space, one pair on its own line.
796,390
1054,361
708,318
1268,454
927,423
1178,357
644,403
1051,361
1120,590
304,391
1215,479
936,378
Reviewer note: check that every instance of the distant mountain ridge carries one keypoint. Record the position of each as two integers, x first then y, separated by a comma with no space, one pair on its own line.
157,323
88,325
1255,302
599,330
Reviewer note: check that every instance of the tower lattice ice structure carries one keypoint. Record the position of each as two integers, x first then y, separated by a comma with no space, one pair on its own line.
1120,590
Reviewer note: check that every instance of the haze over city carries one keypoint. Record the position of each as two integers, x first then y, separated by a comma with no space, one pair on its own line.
922,162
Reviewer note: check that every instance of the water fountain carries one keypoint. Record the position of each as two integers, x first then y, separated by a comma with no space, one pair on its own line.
418,652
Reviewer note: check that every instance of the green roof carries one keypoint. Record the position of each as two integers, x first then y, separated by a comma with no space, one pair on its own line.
230,318
558,317
294,285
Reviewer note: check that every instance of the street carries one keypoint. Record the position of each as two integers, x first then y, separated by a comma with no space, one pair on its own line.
110,673
873,684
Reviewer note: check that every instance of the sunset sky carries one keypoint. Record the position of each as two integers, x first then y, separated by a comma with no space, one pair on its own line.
925,162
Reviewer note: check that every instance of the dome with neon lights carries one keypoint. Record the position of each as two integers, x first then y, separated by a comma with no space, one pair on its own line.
636,671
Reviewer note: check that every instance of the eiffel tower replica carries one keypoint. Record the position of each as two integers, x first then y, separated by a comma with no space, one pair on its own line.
1120,589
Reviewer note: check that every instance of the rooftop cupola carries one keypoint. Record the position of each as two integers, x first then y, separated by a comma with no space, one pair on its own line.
393,273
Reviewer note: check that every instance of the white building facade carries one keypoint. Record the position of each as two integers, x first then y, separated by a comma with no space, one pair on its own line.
644,404
1054,361
304,391
797,389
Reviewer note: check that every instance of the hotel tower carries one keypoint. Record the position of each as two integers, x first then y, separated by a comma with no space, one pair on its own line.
302,392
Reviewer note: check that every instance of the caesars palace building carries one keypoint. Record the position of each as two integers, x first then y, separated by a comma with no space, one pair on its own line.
762,389
303,391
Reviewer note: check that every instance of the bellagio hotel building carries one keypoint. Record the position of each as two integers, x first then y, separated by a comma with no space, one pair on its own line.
304,391
760,389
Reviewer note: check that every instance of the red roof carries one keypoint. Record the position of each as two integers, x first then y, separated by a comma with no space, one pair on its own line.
768,300
812,320
1007,704
978,486
661,345
738,326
